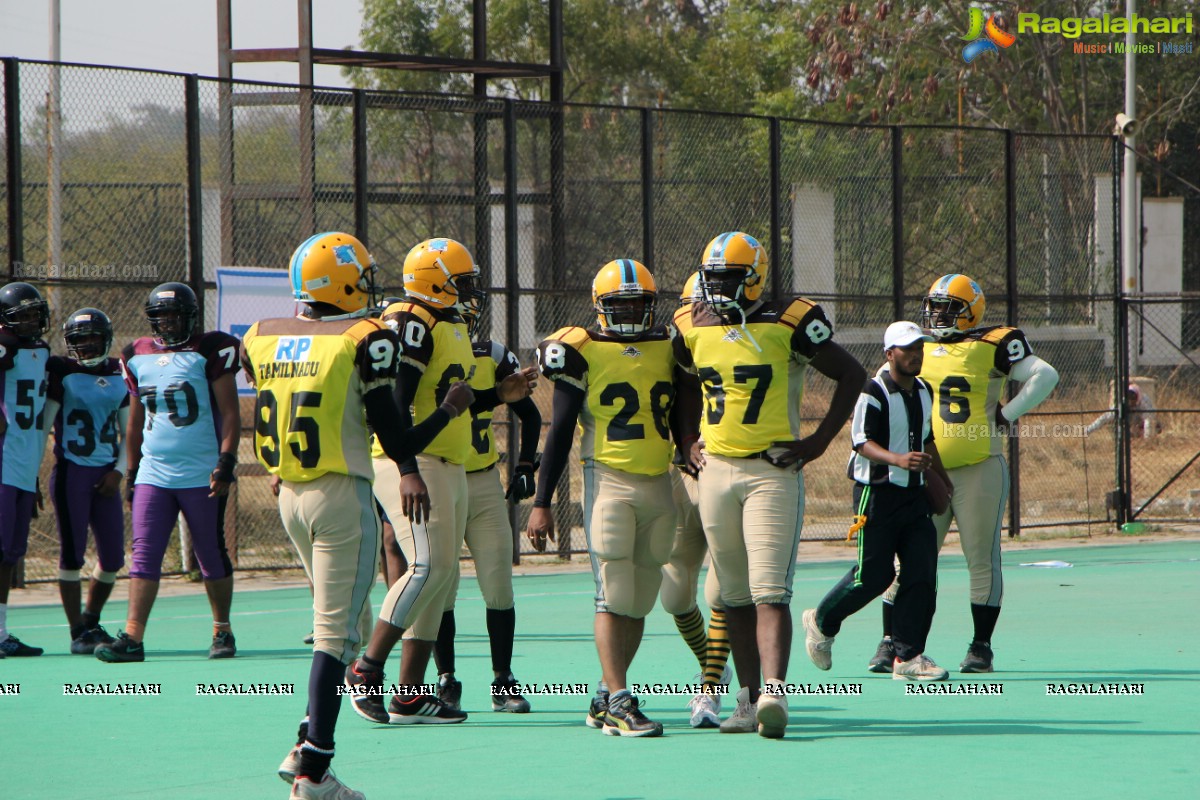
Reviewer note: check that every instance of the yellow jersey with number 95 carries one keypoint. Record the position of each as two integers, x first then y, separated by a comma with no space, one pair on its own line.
629,386
752,376
311,376
967,373
437,344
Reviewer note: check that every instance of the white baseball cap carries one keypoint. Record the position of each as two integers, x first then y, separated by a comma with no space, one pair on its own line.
902,334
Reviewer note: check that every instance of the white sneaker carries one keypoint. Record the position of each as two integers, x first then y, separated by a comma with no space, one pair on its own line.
744,718
818,645
706,710
772,714
330,788
290,765
918,668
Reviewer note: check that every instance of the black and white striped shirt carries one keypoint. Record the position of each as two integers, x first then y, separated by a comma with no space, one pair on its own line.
893,419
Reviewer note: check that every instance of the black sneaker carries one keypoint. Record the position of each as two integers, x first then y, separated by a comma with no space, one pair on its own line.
310,639
449,691
598,709
122,650
86,642
625,719
884,656
366,693
223,645
13,647
424,709
506,697
979,658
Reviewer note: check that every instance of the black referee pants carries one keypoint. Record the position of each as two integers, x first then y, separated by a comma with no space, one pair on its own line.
898,525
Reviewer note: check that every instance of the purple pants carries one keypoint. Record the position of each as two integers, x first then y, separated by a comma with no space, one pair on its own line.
155,510
16,511
72,490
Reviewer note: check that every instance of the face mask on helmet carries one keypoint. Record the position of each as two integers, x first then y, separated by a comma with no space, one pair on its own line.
722,289
955,303
23,311
472,312
469,295
88,334
171,311
626,315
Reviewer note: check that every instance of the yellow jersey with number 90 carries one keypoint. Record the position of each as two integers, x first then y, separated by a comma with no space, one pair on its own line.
752,376
436,344
630,388
310,377
967,373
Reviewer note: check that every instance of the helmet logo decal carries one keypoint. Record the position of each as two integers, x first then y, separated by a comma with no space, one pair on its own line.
344,254
439,245
317,283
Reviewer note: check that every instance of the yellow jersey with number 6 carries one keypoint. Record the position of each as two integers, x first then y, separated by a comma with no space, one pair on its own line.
967,373
752,375
630,388
311,376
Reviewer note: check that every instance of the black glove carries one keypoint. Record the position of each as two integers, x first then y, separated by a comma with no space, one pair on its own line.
226,463
522,485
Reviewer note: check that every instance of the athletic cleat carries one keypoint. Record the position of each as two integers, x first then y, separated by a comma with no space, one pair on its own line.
290,766
505,696
449,691
918,668
624,718
15,648
598,709
706,710
223,645
772,714
818,645
744,718
881,662
85,643
366,693
310,639
122,650
979,658
424,709
330,788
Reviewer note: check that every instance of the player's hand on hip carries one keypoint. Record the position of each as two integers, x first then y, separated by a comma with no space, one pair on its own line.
414,498
1003,425
540,528
797,452
517,386
695,458
110,484
914,461
274,483
460,395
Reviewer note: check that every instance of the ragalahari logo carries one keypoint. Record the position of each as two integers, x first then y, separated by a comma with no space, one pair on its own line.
993,37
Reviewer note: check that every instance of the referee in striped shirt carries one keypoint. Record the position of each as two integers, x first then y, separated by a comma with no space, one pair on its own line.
893,448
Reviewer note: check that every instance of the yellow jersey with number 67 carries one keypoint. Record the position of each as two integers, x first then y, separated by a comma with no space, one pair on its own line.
967,373
311,376
629,386
752,375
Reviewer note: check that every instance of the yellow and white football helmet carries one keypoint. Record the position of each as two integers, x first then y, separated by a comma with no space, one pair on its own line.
733,271
623,293
955,303
442,273
691,290
336,269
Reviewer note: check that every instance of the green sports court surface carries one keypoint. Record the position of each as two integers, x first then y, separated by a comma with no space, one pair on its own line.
1120,615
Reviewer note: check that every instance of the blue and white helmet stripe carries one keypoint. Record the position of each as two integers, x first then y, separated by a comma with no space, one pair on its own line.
295,268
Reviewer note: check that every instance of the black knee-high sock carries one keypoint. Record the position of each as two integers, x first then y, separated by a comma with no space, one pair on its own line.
501,627
984,618
443,649
887,620
324,703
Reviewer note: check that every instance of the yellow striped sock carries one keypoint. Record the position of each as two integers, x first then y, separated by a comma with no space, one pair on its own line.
718,649
691,628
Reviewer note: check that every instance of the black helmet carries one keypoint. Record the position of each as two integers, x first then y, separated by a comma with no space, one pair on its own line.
172,298
82,326
16,301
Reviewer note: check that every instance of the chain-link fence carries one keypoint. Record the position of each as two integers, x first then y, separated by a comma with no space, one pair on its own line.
161,177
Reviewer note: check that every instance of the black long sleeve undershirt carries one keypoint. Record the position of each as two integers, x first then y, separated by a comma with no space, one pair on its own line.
568,402
398,437
531,428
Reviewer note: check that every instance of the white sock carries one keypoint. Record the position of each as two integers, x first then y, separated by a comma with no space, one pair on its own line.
3,621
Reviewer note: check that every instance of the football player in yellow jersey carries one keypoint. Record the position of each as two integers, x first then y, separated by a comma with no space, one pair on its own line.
681,575
750,357
968,366
618,382
425,497
321,377
489,534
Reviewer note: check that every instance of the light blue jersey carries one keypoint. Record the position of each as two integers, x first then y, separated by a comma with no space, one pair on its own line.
181,434
22,402
86,430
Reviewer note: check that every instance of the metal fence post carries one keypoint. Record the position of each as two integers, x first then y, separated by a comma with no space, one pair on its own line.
1120,352
897,222
776,231
16,183
1010,254
361,212
195,227
647,189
